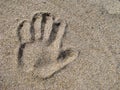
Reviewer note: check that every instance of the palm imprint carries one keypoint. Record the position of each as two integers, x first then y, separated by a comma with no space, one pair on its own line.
41,49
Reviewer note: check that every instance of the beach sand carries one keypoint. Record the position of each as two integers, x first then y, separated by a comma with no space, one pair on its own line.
93,30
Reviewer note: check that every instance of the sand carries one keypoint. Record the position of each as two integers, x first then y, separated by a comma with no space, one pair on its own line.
93,30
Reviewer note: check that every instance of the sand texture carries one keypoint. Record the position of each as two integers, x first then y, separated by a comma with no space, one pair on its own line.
59,44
